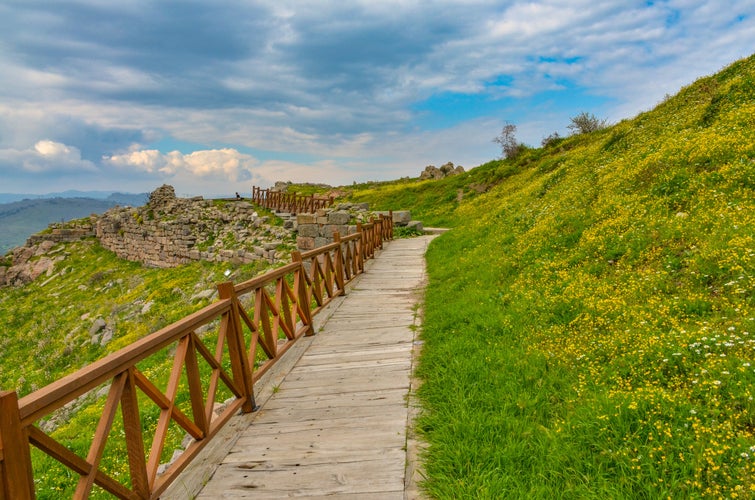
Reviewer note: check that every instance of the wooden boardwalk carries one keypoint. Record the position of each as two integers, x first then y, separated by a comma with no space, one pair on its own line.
336,424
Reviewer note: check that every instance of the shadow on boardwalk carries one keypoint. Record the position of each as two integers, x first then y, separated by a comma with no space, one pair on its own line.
333,418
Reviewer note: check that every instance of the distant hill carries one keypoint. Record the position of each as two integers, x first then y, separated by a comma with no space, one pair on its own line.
119,198
22,218
134,200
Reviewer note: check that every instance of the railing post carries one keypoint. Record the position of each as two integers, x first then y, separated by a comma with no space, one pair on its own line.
302,297
240,364
339,270
379,234
362,245
17,481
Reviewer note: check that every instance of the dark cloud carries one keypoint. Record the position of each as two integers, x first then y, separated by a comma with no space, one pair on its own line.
165,37
176,49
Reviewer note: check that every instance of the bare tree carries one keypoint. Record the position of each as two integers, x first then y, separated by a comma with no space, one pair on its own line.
510,147
585,123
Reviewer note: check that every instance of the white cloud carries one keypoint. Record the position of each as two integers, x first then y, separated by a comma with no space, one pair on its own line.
45,156
219,164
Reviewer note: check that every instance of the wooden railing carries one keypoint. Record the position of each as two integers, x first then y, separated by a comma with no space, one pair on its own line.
250,327
289,202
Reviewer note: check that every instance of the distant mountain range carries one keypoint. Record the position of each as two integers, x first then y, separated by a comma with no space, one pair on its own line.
118,198
22,215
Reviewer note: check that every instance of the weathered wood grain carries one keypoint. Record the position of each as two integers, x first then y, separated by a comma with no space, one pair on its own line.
336,425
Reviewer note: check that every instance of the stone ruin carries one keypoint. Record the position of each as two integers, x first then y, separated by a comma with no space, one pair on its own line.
317,229
169,231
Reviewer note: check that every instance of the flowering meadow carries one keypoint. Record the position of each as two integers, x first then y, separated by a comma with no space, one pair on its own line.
590,319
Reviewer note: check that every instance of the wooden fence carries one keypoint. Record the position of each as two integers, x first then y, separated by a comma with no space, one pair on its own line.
255,323
289,202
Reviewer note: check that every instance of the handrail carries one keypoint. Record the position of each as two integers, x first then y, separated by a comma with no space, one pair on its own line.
257,320
289,202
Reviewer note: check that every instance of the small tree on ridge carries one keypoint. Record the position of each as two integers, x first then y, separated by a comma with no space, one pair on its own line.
510,147
585,123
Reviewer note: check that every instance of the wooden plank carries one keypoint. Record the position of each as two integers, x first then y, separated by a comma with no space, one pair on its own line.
350,380
268,459
333,415
345,385
336,425
373,438
376,476
353,399
368,357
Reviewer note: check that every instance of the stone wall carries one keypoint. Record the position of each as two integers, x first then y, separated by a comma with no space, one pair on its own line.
316,230
170,231
58,234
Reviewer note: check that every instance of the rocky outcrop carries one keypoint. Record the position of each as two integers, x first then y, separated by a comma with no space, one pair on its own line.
447,170
25,264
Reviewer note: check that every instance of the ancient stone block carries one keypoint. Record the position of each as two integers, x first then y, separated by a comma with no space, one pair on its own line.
321,242
415,224
338,218
308,230
305,218
305,243
400,217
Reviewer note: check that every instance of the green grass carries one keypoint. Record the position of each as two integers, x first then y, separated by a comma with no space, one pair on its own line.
432,201
589,323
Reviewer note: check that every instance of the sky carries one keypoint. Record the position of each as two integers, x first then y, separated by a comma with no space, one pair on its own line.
214,97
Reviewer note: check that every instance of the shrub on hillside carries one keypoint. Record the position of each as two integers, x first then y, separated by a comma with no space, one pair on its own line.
585,123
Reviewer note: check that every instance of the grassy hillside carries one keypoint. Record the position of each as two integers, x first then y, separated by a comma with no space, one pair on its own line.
433,201
590,322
